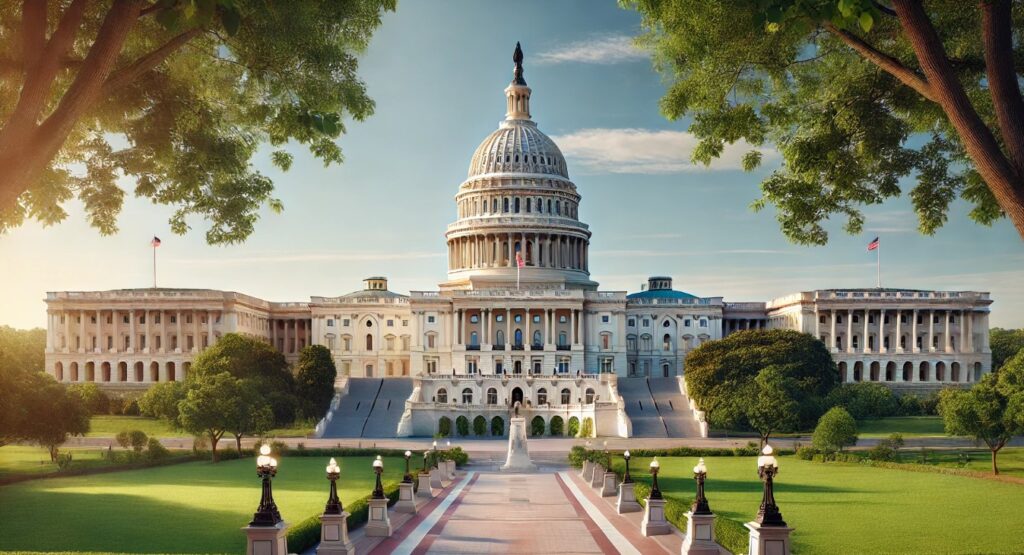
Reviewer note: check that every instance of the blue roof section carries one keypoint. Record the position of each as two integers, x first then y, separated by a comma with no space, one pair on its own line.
661,294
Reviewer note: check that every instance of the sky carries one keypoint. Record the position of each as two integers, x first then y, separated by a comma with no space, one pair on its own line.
436,71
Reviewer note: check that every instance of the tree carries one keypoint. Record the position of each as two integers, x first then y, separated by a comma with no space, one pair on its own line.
1004,344
92,396
177,94
537,426
720,375
985,412
864,400
35,408
773,408
855,95
210,406
161,401
497,426
251,414
836,429
314,381
479,426
23,349
462,426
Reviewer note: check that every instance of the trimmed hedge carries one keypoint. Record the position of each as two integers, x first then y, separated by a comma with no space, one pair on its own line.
306,533
578,453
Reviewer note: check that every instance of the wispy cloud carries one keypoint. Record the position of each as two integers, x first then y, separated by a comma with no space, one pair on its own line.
891,221
646,151
639,253
608,49
275,258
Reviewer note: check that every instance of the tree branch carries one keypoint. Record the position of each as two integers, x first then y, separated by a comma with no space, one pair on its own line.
997,37
121,77
33,32
884,61
883,8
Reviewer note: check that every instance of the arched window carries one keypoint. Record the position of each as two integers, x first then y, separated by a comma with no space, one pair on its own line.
566,396
562,339
606,341
442,395
542,396
666,342
467,396
499,338
589,397
558,208
494,205
473,338
536,338
516,205
369,341
504,205
529,204
492,396
518,337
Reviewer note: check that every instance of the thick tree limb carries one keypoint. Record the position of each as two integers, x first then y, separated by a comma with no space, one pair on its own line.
979,142
129,73
997,37
33,32
884,61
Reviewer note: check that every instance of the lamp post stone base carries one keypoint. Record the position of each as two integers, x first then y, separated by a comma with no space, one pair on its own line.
608,490
451,470
378,525
266,540
654,523
700,536
406,499
626,502
424,489
768,540
435,478
587,472
597,480
334,535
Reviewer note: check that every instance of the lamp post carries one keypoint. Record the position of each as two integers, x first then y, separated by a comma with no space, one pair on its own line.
426,453
655,492
700,505
408,477
767,468
266,468
333,506
434,449
378,467
627,479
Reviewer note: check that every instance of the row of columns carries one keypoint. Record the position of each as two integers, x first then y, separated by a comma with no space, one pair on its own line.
495,206
107,372
149,330
541,250
487,320
916,372
966,338
291,333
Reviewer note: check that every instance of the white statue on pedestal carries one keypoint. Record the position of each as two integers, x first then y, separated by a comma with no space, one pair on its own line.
518,459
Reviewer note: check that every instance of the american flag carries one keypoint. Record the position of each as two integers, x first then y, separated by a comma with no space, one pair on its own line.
155,242
519,260
873,245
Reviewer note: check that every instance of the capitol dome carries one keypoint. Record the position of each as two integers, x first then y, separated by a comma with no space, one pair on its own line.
518,147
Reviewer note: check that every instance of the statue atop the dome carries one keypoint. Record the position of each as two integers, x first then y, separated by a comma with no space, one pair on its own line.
517,57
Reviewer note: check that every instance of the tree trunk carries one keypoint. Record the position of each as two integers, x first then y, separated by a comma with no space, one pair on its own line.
995,168
995,469
238,443
997,35
213,446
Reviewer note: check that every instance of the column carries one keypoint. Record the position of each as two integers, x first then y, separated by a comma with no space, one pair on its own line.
81,331
485,326
273,333
970,331
527,335
458,327
195,331
963,333
209,328
547,327
899,336
99,332
509,338
145,331
949,337
179,348
881,331
913,332
864,340
574,339
817,323
114,331
163,333
511,255
849,330
132,346
832,315
931,329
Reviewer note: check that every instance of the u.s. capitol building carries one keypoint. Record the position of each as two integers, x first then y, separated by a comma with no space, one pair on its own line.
491,317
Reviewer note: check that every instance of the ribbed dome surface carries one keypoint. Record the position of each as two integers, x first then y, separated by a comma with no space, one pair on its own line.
518,146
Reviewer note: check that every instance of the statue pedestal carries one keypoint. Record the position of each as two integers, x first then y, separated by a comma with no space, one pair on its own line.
378,525
768,540
518,459
626,503
423,486
654,523
700,535
266,540
334,535
406,499
608,489
597,480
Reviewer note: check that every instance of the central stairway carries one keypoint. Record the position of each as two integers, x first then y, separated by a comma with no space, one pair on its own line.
371,409
658,408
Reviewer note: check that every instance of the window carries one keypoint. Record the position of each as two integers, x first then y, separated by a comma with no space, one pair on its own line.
856,319
871,318
686,322
346,343
562,339
369,342
431,341
589,397
666,342
499,338
473,338
606,341
391,323
345,322
542,396
330,322
566,397
430,320
821,319
330,342
562,319
536,318
854,342
518,318
492,396
124,319
631,322
405,323
703,323
467,396
369,323
839,318
631,342
474,319
389,341
666,324
537,341
605,318
442,395
174,319
646,322
500,318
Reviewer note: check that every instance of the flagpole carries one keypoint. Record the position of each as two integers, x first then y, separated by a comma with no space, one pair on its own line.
154,263
878,265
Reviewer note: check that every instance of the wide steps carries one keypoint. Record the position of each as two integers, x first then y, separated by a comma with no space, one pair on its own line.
388,408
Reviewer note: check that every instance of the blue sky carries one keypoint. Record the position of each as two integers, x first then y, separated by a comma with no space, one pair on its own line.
436,71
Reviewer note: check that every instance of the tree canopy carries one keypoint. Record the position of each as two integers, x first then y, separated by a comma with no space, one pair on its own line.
1004,344
992,411
314,380
211,407
37,409
836,429
855,95
177,95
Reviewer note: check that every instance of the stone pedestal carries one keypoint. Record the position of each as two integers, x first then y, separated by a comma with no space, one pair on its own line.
518,459
423,486
608,488
587,471
378,525
654,522
700,535
626,503
435,478
768,540
451,470
406,499
334,536
597,480
266,540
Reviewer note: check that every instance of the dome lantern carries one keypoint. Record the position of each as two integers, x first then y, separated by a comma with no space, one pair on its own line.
518,94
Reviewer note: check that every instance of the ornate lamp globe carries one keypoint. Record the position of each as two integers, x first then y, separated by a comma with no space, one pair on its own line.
768,513
266,468
655,490
626,478
378,468
408,477
700,504
333,506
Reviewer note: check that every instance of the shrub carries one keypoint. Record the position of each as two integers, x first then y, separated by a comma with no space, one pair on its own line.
96,402
130,408
200,444
577,455
122,439
588,427
155,450
574,426
497,426
805,453
537,426
279,448
64,461
909,405
453,454
836,429
136,439
556,426
462,426
444,426
479,426
864,400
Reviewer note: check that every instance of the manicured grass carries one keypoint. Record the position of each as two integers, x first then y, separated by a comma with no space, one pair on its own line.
110,426
1009,459
909,426
850,508
25,459
186,508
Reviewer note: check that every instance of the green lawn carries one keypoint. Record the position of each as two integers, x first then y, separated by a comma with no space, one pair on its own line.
186,508
109,426
849,508
909,426
18,459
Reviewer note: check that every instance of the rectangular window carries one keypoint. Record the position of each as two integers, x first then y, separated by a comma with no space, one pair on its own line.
190,342
839,318
903,318
854,342
536,318
127,342
821,319
174,318
345,322
391,323
330,322
703,323
142,341
126,319
646,322
430,341
92,319
405,323
110,319
686,322
605,318
871,318
110,342
156,318
188,318
142,319
430,319
856,319
157,341
631,322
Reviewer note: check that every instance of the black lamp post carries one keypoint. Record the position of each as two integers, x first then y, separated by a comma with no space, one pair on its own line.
408,477
655,492
333,506
378,489
700,505
627,479
767,468
266,468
